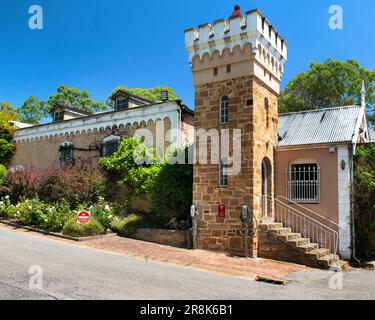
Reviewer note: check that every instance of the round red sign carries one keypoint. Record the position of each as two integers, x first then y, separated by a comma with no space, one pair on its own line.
83,217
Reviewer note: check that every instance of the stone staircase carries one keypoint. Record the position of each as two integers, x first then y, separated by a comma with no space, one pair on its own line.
280,243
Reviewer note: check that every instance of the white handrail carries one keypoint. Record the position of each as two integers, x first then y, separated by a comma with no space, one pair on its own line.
309,210
317,226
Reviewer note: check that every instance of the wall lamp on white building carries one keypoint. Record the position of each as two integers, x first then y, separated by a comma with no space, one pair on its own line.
343,165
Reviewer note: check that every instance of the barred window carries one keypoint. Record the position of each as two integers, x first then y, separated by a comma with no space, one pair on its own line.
66,153
223,177
110,146
304,183
224,110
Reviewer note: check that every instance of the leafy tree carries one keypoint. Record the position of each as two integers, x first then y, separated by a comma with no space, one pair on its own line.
74,98
8,110
6,134
32,111
152,94
332,83
128,167
364,195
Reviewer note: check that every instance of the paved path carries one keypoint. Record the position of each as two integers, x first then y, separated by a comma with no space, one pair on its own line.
72,271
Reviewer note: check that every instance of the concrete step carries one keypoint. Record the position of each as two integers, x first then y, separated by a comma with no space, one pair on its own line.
319,252
310,253
290,236
280,231
309,248
300,242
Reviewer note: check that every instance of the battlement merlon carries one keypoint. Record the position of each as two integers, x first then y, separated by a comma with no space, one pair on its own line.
251,28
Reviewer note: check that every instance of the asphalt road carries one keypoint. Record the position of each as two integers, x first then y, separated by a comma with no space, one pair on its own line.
74,272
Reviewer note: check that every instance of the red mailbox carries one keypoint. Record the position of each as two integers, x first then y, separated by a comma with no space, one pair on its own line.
221,211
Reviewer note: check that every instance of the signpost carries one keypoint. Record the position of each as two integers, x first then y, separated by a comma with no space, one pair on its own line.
83,217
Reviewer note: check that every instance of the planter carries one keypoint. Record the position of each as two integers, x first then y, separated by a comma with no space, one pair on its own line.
172,238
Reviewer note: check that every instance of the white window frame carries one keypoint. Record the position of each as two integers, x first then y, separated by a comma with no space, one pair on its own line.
224,110
223,176
304,183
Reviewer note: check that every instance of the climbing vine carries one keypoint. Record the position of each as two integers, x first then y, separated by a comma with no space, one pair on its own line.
364,193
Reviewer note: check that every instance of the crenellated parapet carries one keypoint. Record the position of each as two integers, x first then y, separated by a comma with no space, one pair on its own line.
251,31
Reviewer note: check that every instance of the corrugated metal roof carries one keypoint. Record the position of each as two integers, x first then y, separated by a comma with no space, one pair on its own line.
316,127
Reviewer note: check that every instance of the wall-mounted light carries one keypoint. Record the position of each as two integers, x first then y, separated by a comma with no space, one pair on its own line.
343,164
332,149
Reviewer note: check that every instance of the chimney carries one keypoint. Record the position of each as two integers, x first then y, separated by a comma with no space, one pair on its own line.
363,95
236,12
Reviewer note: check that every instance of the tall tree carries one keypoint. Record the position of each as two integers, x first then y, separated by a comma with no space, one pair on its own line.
32,111
332,83
74,98
152,94
7,115
8,110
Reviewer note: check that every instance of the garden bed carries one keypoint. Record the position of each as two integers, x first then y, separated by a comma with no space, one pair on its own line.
54,234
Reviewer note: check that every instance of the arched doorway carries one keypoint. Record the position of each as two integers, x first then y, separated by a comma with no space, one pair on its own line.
266,190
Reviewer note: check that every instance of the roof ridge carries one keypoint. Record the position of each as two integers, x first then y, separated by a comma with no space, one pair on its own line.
319,110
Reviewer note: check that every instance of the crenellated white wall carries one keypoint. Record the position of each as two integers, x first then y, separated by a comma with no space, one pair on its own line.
240,31
101,121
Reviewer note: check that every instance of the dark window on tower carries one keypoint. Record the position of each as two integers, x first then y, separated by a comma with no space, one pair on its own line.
263,22
58,116
229,68
122,104
266,112
224,110
215,72
270,31
223,175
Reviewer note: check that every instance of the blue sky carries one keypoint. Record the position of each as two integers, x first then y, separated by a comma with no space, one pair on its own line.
99,45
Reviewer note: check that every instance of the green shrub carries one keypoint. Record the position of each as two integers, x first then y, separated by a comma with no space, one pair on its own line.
126,226
172,193
3,174
36,213
364,194
102,212
55,217
75,229
30,211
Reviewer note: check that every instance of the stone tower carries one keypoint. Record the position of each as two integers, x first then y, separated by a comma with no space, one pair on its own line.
237,65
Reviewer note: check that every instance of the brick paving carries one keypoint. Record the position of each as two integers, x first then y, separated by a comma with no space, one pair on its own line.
203,260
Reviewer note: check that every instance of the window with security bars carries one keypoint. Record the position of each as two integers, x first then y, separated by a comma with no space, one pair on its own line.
66,154
224,110
110,148
304,183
